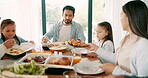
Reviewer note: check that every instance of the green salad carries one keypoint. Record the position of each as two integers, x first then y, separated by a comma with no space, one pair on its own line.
28,69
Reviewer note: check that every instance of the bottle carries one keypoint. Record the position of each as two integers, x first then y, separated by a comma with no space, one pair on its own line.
55,53
60,53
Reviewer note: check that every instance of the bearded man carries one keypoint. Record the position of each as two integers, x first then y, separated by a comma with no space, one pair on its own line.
66,29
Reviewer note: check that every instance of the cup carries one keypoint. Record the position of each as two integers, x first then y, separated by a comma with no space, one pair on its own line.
76,59
70,74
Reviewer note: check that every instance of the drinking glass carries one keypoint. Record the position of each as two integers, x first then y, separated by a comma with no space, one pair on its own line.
76,59
70,74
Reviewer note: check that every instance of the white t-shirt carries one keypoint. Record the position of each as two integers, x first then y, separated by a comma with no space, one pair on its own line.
64,34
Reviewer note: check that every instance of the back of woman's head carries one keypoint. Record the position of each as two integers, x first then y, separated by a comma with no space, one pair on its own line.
108,28
6,22
137,13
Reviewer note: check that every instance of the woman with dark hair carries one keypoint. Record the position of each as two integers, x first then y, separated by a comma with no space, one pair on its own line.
8,37
131,58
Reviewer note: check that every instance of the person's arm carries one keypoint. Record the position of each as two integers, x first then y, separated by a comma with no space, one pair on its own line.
2,50
106,56
138,61
50,34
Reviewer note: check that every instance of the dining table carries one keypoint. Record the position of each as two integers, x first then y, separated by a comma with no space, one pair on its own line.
7,61
69,53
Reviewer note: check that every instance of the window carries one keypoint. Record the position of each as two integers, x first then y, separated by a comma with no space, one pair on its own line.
98,16
27,16
54,12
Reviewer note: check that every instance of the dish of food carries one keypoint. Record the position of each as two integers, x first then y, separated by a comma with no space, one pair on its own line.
88,68
81,51
77,43
18,51
25,46
20,70
37,57
54,44
58,48
61,60
14,51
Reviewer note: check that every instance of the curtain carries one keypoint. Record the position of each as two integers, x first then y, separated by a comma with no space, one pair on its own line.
27,16
113,9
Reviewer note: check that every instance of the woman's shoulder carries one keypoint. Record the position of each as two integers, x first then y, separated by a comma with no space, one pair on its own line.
141,47
142,41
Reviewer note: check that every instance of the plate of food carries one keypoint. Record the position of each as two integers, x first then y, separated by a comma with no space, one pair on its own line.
58,48
54,44
77,43
18,51
46,46
88,68
82,51
60,60
25,46
24,70
15,53
39,58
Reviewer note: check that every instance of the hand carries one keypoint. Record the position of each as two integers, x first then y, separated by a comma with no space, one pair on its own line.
31,42
92,54
45,40
9,43
111,76
107,67
92,47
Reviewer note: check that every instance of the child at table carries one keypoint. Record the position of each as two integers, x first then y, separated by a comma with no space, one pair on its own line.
105,37
8,37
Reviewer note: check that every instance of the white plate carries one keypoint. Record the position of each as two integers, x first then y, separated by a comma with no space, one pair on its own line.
20,49
88,68
80,51
51,58
46,55
25,46
53,43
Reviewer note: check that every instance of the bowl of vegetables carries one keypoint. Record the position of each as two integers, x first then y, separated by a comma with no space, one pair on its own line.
20,70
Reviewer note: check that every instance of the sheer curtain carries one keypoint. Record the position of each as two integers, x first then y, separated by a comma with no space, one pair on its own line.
113,9
26,14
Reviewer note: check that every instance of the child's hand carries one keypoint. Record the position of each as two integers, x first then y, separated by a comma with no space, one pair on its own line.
92,47
92,54
9,43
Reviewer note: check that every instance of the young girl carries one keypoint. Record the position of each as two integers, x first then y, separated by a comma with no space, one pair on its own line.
8,37
105,37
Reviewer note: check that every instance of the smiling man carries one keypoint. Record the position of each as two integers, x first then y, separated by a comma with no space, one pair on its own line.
65,29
